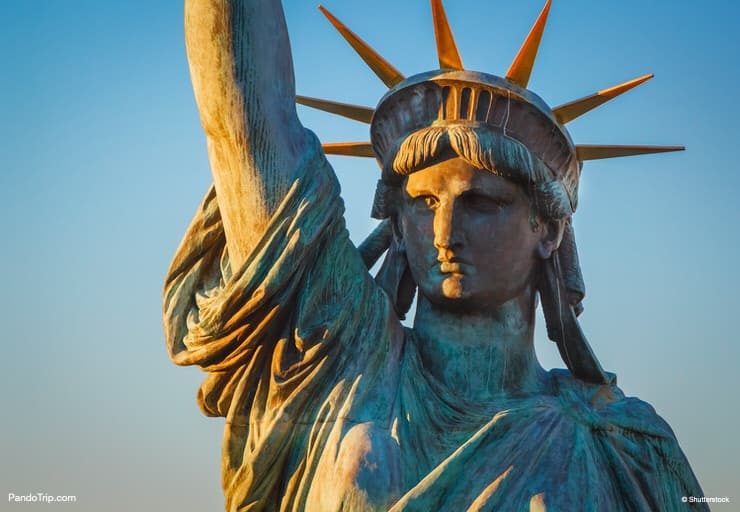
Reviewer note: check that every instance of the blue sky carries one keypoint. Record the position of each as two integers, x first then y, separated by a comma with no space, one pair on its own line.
104,163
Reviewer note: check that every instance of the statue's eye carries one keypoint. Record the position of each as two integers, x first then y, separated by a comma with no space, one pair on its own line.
485,203
426,202
431,201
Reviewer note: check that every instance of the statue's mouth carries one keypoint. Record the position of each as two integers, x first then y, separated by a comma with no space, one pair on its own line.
450,267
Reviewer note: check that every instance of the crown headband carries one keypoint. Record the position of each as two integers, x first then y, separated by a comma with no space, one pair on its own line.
474,100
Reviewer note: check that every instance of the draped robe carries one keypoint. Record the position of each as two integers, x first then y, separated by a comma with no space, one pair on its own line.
328,405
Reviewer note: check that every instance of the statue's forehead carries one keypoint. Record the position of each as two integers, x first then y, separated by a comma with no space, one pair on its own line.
456,175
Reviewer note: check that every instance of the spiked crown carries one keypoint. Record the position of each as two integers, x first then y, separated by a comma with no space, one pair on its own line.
453,95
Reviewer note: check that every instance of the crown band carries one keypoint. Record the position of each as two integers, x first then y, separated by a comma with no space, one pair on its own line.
478,101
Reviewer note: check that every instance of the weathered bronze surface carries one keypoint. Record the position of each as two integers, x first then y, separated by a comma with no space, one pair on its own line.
330,403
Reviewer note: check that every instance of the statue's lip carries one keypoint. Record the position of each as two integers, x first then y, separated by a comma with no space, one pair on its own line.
449,267
449,257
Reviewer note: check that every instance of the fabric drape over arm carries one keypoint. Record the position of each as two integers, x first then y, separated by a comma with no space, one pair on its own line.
291,341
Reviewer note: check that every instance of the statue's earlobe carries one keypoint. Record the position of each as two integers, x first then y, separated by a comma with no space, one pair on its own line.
550,238
545,249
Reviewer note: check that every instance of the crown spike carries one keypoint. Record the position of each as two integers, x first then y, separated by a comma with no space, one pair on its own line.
595,152
449,57
355,112
387,73
363,149
570,111
521,69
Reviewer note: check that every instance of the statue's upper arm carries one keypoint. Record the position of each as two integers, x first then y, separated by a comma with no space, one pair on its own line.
242,77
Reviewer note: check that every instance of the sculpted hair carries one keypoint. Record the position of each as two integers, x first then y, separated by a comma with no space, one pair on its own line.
483,148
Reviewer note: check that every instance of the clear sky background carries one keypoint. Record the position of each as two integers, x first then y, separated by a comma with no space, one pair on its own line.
103,163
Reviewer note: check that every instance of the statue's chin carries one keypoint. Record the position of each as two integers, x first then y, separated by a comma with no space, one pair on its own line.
458,293
452,287
451,294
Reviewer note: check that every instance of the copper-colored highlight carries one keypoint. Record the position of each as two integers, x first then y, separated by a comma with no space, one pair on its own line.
387,73
521,69
570,111
363,149
588,152
355,112
449,57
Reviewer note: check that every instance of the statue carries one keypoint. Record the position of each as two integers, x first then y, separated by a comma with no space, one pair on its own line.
330,403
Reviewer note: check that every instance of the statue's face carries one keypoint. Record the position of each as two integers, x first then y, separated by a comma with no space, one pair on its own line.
469,236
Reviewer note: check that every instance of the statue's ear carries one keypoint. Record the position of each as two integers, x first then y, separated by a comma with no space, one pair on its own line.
551,234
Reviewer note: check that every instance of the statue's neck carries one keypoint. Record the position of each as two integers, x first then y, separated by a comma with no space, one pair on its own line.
481,355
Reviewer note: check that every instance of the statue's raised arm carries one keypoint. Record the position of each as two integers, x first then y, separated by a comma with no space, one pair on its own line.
257,292
242,75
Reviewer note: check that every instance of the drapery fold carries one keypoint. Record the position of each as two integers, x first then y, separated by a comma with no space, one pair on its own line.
283,338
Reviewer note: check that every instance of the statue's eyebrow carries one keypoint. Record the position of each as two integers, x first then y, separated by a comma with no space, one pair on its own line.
418,190
477,189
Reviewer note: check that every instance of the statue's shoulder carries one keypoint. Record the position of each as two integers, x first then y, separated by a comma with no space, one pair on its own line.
605,406
627,428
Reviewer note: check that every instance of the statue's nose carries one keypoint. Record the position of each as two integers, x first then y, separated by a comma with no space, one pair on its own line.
447,231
